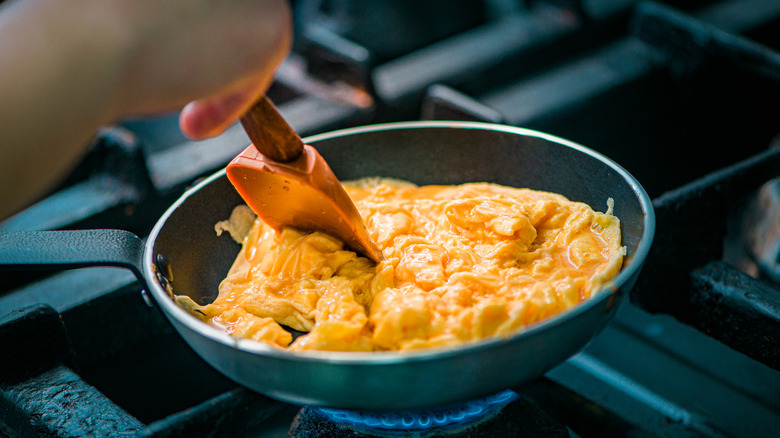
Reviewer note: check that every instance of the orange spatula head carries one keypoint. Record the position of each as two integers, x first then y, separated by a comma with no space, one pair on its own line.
287,183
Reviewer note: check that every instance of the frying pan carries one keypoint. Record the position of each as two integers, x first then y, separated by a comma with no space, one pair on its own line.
183,253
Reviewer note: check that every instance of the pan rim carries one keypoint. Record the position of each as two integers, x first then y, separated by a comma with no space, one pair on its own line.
172,310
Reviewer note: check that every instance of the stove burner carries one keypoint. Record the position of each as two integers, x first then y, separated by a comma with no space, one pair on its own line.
441,418
502,414
761,229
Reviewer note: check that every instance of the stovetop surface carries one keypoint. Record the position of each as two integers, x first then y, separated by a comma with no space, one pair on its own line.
686,93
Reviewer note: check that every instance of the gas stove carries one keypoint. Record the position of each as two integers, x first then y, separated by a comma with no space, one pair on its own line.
682,95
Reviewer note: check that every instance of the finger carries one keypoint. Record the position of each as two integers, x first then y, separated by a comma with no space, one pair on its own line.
209,117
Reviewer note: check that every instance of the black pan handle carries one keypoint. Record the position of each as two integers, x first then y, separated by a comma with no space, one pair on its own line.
54,250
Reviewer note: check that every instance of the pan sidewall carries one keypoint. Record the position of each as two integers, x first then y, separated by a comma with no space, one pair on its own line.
444,377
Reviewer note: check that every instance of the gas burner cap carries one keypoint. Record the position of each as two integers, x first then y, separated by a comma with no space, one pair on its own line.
761,229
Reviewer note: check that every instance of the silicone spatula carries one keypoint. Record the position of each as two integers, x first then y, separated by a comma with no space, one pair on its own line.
287,183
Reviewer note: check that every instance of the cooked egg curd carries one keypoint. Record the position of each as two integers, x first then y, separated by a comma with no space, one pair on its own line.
462,263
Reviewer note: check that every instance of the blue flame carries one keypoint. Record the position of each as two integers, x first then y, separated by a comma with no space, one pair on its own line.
446,417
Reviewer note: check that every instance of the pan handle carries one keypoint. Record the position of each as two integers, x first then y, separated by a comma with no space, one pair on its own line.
54,250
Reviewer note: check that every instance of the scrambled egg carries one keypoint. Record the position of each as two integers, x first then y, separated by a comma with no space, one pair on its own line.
462,263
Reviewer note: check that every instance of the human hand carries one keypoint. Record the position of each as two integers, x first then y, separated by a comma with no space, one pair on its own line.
68,68
217,57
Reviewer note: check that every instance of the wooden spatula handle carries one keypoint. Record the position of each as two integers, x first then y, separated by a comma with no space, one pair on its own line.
270,133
